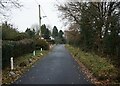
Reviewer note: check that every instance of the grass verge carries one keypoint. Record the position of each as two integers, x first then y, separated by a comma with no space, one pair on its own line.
21,65
99,67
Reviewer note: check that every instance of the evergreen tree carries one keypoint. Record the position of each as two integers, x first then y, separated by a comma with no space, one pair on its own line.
47,34
60,34
43,29
55,32
60,38
30,32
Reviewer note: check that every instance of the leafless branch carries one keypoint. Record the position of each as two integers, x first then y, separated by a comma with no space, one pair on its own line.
7,5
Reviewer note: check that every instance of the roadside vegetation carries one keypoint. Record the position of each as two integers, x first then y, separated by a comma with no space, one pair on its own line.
99,67
94,28
21,65
21,45
16,44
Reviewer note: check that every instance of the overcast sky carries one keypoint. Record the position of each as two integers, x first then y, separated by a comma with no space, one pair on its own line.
28,14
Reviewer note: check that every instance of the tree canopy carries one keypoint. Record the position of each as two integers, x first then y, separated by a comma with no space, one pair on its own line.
45,32
55,32
98,26
30,33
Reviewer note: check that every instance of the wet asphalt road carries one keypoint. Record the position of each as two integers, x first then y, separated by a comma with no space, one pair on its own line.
58,67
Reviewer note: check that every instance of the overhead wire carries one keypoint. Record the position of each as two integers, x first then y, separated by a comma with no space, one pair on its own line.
43,11
46,15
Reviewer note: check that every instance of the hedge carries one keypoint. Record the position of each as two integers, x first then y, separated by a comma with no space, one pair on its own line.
40,43
15,49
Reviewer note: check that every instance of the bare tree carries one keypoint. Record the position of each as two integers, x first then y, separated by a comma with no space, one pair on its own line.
7,5
70,11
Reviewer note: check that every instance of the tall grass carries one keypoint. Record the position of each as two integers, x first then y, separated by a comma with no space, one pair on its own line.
100,67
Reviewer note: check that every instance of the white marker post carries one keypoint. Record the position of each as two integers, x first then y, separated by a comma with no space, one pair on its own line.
41,49
11,60
34,53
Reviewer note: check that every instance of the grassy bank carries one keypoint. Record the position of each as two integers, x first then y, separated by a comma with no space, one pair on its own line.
99,67
21,65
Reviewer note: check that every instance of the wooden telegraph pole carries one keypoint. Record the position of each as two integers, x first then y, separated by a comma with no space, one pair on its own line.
39,22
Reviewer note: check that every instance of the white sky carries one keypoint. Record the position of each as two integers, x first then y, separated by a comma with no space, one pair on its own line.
28,14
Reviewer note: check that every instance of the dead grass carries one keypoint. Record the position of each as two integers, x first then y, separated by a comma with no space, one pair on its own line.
99,67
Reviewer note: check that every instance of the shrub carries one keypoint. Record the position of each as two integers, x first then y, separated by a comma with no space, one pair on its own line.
21,36
8,32
15,49
50,41
40,43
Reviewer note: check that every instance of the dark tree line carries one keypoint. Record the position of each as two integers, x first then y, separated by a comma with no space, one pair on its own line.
94,26
45,32
58,36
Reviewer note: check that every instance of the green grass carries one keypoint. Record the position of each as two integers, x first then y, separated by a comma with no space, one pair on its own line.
100,67
27,59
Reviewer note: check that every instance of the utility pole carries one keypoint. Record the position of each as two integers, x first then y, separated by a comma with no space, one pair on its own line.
39,22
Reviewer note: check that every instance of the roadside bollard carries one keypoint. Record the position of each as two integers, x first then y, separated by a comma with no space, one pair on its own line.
34,53
11,60
41,49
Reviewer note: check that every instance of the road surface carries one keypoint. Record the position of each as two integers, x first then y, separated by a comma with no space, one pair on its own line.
58,67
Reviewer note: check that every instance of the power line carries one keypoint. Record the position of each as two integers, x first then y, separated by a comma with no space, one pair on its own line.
43,11
46,15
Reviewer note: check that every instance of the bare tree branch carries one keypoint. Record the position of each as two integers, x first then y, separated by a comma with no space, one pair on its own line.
7,5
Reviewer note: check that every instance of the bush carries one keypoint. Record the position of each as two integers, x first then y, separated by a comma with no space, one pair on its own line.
50,41
19,48
21,36
15,49
8,32
40,43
